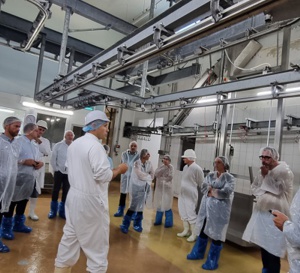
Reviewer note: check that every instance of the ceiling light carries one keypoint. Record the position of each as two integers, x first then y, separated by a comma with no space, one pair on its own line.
207,100
36,106
294,89
6,110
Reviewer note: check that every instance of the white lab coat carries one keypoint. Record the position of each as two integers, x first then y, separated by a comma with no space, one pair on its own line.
129,159
216,210
140,189
291,231
45,154
87,214
9,154
274,191
163,195
192,178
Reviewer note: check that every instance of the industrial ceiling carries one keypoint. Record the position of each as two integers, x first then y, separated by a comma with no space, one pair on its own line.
142,43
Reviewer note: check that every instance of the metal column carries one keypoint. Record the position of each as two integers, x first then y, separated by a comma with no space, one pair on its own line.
40,66
63,47
280,106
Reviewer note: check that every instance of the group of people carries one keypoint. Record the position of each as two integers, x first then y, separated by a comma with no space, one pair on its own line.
274,224
22,173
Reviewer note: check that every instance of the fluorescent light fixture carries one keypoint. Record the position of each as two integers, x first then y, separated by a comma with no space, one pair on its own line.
6,110
36,106
293,89
207,100
263,93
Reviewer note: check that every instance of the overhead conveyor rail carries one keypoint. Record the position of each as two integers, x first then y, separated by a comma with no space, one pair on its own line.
105,64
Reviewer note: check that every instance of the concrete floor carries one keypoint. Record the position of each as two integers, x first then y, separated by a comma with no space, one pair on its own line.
154,250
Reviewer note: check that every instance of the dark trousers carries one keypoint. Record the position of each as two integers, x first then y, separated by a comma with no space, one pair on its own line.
270,261
60,181
204,236
122,201
20,207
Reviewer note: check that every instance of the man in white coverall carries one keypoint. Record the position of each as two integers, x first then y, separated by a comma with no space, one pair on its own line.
273,188
45,151
87,215
192,178
291,231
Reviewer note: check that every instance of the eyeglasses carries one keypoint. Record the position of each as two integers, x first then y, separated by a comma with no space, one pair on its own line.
261,157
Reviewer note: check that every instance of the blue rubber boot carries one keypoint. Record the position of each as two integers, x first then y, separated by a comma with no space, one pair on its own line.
213,257
6,227
3,247
125,224
158,218
120,211
19,224
169,218
53,209
61,210
133,216
198,250
137,224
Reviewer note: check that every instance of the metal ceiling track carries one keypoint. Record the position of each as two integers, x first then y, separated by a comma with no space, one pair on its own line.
105,64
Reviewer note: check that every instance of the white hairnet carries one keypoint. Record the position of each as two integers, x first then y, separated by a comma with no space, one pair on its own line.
10,120
167,157
69,131
273,152
133,142
143,153
225,162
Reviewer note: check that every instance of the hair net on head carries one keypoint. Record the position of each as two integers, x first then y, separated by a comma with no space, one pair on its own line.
225,162
29,127
10,120
132,142
167,157
94,125
69,131
272,151
143,153
106,147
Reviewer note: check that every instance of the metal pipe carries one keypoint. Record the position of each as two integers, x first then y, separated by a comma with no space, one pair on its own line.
40,66
64,41
39,26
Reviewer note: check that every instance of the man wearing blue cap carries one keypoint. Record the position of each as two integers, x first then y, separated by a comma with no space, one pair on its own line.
86,208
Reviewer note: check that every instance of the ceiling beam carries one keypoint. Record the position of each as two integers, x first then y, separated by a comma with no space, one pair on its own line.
15,29
97,15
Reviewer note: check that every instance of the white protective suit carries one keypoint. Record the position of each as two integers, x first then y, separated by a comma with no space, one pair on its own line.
9,154
129,159
192,177
45,152
87,214
216,210
26,175
163,195
274,191
291,231
140,189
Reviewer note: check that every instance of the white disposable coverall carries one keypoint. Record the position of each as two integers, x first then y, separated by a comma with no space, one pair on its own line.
87,214
291,230
128,158
216,209
274,191
163,195
9,154
192,177
140,189
45,152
